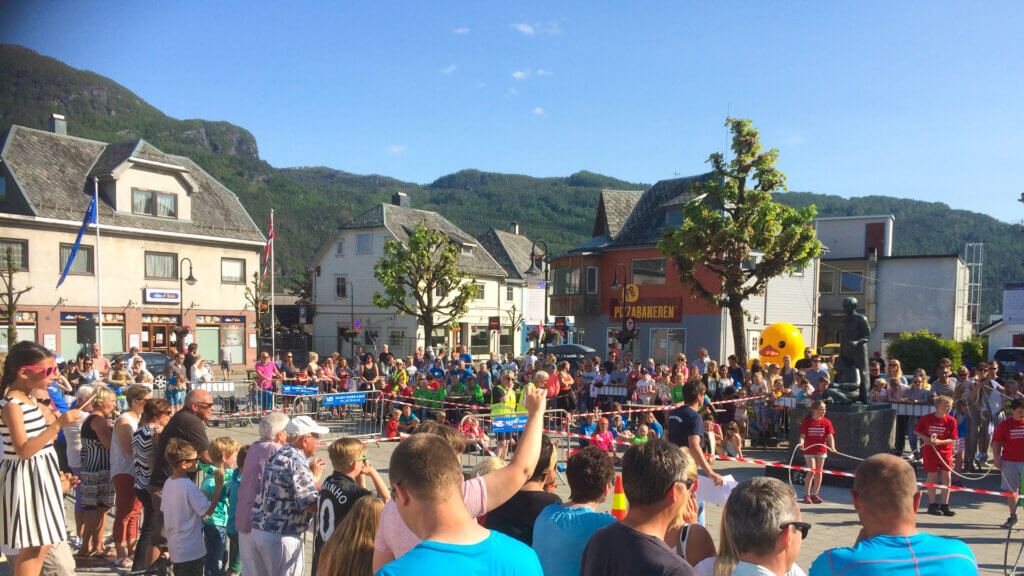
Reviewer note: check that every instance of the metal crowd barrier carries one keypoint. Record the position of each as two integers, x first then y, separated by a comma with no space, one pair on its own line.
229,404
513,423
358,414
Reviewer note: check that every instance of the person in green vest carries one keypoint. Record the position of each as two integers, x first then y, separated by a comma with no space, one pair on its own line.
677,388
503,402
439,395
476,393
422,394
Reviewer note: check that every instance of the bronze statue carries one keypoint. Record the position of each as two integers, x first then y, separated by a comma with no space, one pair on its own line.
852,381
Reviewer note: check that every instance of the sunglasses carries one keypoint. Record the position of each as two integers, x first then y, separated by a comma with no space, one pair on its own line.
190,460
46,370
363,459
204,404
44,401
803,527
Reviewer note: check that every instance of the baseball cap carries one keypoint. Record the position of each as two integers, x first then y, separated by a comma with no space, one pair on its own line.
302,425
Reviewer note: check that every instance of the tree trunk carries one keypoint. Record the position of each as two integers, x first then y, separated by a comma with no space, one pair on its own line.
428,329
12,328
739,331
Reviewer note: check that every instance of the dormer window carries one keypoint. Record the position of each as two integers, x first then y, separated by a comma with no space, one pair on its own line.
153,203
467,249
673,216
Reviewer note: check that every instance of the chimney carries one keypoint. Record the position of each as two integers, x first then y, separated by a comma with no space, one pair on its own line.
400,199
514,228
58,125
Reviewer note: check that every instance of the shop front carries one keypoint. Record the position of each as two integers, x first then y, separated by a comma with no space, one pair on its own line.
25,326
111,341
158,333
214,331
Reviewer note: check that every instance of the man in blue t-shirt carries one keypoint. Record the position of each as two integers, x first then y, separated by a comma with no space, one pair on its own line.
886,497
427,479
686,427
561,531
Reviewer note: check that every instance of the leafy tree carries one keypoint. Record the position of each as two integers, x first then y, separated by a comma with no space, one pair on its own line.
10,295
515,320
423,279
923,350
257,295
738,219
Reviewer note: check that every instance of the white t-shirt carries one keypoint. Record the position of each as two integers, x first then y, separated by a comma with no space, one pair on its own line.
706,567
183,506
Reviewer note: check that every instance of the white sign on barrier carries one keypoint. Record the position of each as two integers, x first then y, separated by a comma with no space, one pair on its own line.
216,387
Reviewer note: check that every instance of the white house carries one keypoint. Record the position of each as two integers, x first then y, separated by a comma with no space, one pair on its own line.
344,285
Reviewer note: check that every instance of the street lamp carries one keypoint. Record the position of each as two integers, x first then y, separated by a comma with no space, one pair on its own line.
352,318
181,298
547,268
622,298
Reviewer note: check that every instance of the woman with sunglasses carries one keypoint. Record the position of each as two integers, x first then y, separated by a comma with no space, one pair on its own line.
31,500
691,541
97,489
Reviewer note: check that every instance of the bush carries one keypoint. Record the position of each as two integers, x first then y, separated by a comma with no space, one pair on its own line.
975,350
924,350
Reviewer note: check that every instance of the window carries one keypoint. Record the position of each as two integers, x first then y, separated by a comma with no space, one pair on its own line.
479,292
152,203
339,248
467,249
567,281
851,283
3,188
19,252
440,292
509,293
649,271
505,340
369,336
826,282
667,344
161,266
798,273
591,280
364,243
748,263
232,271
83,259
340,287
397,339
673,216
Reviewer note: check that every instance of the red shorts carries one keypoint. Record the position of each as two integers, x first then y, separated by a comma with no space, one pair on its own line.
930,460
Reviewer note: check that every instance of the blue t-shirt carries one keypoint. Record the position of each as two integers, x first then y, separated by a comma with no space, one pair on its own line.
436,373
232,487
684,422
560,534
657,428
588,431
497,554
920,555
57,398
467,358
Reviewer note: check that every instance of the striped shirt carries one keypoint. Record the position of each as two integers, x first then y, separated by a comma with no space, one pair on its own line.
142,455
35,423
95,456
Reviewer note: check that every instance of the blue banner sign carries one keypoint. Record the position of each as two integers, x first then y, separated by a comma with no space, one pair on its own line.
303,390
345,399
508,424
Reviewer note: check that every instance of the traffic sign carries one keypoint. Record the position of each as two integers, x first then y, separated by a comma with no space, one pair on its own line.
632,293
560,322
630,324
357,324
494,322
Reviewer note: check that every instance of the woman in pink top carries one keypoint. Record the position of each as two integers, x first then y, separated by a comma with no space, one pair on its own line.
266,371
602,437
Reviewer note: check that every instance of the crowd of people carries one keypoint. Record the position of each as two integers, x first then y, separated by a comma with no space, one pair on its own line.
212,506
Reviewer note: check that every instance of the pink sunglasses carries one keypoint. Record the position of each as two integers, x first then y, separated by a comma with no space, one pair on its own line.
48,371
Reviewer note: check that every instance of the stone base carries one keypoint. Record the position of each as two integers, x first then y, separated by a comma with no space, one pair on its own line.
862,430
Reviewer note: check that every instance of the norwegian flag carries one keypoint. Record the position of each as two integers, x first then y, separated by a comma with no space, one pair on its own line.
266,251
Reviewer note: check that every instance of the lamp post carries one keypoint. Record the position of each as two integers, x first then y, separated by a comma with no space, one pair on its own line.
547,268
622,297
181,298
352,318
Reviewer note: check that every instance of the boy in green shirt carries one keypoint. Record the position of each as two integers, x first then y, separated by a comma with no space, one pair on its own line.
223,453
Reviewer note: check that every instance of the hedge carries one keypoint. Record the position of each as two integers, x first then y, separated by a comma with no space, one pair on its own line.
924,350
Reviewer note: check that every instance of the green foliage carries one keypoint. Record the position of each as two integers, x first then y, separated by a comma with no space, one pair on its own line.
423,279
924,350
737,216
11,294
257,295
974,350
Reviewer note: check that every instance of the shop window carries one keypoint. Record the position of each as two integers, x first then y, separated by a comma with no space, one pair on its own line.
161,266
649,271
153,203
851,283
19,253
232,270
666,344
83,263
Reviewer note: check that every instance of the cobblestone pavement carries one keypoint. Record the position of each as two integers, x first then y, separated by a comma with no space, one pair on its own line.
834,522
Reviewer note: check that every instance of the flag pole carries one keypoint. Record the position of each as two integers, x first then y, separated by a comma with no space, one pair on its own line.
99,275
273,318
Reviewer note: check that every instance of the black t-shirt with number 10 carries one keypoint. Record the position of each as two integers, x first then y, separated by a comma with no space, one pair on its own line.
337,495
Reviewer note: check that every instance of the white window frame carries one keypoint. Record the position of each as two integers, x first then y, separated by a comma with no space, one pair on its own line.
343,286
174,255
481,293
368,237
591,289
859,275
831,282
632,271
154,196
510,293
339,249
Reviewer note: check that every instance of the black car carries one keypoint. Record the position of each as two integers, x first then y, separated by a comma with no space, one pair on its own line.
155,363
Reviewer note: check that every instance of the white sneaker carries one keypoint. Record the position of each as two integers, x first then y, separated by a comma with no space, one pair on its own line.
74,542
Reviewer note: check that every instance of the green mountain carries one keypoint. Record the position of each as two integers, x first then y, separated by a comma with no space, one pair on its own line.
311,202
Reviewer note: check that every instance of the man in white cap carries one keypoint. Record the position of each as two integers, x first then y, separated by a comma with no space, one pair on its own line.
286,501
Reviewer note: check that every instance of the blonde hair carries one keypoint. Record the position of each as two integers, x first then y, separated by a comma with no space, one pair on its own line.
725,563
221,448
944,400
102,394
344,452
485,467
350,549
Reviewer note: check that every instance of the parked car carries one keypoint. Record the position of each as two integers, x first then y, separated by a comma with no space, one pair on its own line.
155,363
1008,358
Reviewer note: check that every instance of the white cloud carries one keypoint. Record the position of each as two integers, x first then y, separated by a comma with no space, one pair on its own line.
396,149
538,111
543,72
520,74
449,69
461,31
524,28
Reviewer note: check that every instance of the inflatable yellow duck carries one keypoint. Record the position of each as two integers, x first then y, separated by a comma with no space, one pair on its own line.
778,340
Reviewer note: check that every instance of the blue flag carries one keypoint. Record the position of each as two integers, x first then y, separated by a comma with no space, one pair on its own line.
90,218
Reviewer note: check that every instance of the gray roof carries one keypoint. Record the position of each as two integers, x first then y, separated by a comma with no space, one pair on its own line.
402,221
613,210
512,252
53,172
645,220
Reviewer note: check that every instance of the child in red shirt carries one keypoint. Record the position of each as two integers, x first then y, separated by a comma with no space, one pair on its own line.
391,427
1008,454
937,432
817,436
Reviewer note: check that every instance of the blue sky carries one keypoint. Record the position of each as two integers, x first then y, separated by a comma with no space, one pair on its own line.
912,99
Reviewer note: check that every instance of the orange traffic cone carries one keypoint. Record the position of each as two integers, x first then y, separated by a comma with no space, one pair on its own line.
618,499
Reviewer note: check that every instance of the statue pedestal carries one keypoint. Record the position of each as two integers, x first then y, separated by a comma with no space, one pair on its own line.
862,430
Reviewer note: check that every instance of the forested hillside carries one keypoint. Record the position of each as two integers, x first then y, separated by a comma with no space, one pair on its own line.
310,203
